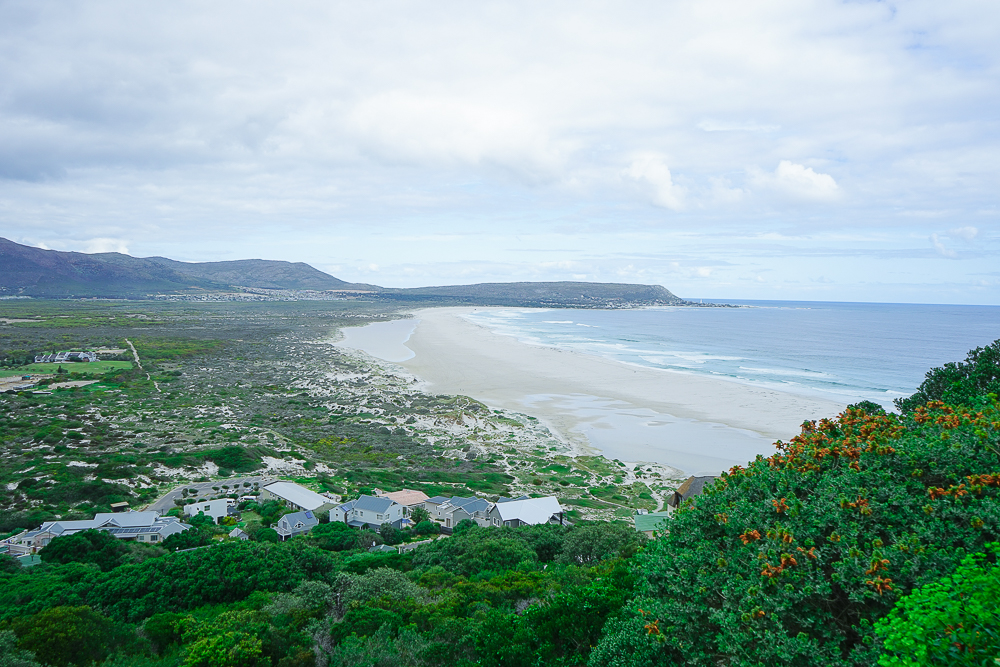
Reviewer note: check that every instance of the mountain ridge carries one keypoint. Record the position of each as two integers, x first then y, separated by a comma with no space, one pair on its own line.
39,273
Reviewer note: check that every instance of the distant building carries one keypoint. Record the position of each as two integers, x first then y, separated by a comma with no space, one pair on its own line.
296,497
449,512
526,512
213,508
296,523
692,486
368,512
148,527
408,498
65,357
238,534
649,522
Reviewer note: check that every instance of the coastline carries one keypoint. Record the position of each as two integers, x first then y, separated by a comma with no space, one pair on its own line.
657,415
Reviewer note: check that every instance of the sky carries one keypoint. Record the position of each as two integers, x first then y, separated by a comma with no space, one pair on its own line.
781,149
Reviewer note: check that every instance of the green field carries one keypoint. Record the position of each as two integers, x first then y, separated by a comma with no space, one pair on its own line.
91,368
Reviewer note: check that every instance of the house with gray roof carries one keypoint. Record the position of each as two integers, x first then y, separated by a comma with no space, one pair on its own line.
526,512
369,512
296,497
148,527
690,488
455,509
296,523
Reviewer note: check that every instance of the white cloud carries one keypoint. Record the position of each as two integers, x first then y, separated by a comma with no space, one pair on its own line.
105,245
710,125
653,175
941,248
964,233
797,181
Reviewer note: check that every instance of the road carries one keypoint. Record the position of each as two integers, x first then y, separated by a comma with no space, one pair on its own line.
166,503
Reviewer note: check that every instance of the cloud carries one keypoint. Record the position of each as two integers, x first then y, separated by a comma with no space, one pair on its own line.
709,125
964,233
653,175
105,245
941,249
797,181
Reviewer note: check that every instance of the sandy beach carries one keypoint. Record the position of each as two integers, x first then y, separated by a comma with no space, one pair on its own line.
696,424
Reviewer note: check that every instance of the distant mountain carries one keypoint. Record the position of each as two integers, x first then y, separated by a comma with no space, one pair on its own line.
561,294
261,273
27,271
35,272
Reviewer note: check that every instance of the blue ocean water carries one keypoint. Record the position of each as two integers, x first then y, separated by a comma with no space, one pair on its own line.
841,351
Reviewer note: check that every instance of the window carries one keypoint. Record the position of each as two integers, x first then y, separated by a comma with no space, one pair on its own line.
153,538
379,516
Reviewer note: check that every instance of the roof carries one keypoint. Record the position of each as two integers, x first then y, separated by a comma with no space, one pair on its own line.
407,497
470,505
437,500
504,499
531,511
298,495
373,504
236,532
307,518
382,547
651,521
128,519
691,487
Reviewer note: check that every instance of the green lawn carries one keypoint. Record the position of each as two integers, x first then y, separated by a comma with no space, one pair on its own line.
92,368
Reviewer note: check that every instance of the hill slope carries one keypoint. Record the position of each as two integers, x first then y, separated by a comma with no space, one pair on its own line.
27,271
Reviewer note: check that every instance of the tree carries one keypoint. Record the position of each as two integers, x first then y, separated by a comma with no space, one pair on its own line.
792,559
189,539
418,514
64,636
11,655
266,535
959,383
464,525
334,536
589,543
390,534
9,564
952,621
88,546
427,528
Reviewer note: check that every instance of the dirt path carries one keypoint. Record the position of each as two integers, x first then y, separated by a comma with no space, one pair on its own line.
139,364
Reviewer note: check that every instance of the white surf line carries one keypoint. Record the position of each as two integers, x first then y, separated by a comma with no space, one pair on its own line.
139,364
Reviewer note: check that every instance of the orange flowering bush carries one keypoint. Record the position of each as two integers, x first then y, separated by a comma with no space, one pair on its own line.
791,559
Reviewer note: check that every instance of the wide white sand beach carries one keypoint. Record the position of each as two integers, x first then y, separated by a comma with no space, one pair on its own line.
696,424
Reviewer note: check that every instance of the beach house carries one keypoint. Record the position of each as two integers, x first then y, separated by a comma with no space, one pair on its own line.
296,497
368,512
525,511
690,488
214,508
148,527
296,523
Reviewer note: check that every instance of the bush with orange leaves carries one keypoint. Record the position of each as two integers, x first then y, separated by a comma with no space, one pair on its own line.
819,541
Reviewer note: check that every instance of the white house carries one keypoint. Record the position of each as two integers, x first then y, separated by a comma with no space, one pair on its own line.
213,508
238,534
296,523
368,512
296,497
526,512
147,527
450,511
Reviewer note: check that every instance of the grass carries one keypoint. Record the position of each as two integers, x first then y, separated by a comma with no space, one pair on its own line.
92,368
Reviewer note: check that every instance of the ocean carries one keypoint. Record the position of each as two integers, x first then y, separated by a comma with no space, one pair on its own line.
844,352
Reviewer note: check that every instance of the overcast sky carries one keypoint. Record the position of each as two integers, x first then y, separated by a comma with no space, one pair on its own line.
784,149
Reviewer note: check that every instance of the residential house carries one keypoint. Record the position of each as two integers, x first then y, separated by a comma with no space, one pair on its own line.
691,487
408,498
214,508
296,497
148,527
453,510
65,357
296,523
649,522
238,534
525,512
368,512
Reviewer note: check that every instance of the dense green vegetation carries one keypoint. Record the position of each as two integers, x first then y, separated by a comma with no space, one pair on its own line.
255,603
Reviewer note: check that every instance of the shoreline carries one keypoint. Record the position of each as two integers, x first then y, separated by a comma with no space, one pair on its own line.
603,405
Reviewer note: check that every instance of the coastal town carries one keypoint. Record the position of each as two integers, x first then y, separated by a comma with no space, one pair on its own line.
303,509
